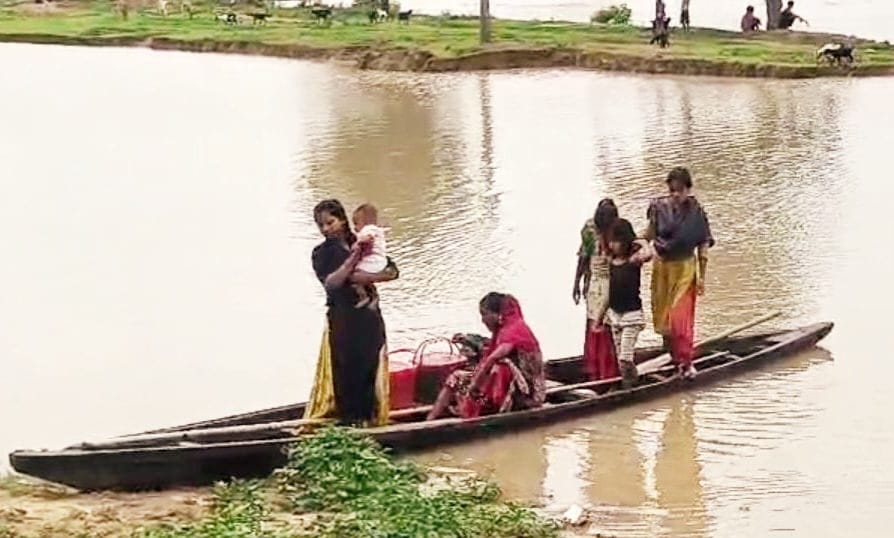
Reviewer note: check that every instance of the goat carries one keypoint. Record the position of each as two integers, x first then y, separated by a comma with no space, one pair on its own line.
259,18
321,13
836,53
228,18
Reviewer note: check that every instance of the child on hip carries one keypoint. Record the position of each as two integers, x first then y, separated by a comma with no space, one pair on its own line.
374,258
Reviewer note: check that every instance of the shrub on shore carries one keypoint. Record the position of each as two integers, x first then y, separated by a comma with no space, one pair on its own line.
614,14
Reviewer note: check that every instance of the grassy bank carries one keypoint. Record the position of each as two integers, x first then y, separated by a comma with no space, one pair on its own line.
335,485
439,43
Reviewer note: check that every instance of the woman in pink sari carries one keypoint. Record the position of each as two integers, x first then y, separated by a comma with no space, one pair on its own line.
508,368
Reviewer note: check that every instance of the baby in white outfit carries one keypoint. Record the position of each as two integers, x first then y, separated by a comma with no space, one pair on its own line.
374,259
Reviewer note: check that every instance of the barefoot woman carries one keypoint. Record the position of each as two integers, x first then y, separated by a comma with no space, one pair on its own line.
352,372
593,268
679,230
508,371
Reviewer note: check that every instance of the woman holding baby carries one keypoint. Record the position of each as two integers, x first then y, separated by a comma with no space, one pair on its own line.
351,382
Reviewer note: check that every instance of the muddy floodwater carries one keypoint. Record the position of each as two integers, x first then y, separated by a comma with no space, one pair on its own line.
156,228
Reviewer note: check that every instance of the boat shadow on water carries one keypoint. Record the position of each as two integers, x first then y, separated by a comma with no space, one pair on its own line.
253,444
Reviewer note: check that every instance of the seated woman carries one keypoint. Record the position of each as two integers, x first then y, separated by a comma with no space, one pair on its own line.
508,368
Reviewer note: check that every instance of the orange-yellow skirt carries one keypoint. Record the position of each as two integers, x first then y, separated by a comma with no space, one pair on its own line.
673,305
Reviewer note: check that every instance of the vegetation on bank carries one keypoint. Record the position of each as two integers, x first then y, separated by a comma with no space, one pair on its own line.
340,484
613,14
444,36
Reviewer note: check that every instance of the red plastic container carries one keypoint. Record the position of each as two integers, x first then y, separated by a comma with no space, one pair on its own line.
402,369
434,367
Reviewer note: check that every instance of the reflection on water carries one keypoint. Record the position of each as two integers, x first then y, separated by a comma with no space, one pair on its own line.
690,465
159,231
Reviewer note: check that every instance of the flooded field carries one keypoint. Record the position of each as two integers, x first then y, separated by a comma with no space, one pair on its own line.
156,220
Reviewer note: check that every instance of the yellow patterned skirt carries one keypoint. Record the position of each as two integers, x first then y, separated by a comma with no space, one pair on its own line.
323,402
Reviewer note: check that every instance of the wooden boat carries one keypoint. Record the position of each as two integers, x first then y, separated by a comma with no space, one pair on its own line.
252,444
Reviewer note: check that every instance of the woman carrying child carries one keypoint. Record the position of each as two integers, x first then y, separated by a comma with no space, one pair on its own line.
351,381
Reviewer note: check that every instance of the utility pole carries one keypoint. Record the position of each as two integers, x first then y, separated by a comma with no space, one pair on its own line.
485,21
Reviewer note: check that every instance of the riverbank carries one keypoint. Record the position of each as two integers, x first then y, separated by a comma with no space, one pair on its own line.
442,44
29,509
38,510
335,484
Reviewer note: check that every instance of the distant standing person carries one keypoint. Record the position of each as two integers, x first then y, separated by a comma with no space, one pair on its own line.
787,17
660,26
684,15
750,23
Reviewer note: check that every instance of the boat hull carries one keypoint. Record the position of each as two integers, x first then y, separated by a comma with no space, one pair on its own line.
190,464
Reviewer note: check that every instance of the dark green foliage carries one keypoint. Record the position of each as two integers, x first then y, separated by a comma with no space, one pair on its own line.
360,492
367,494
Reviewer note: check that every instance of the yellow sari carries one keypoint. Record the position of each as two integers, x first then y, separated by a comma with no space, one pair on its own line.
322,396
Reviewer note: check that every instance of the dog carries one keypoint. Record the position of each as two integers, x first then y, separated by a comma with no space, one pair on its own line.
259,18
228,18
836,53
378,15
321,13
404,16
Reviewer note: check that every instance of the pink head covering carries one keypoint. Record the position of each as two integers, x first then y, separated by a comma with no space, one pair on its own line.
514,330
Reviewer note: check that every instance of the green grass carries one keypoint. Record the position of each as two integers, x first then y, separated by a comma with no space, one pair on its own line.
239,511
367,494
442,36
356,489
